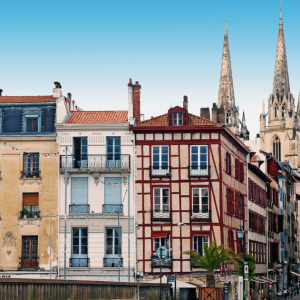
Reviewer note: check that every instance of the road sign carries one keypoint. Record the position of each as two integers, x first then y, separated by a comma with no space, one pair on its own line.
171,278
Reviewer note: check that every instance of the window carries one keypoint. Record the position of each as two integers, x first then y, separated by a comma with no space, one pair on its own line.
31,124
284,111
230,201
112,244
241,172
228,163
31,165
274,252
80,152
30,205
79,195
32,120
199,164
228,117
200,203
199,242
113,152
161,203
79,247
161,242
177,118
160,160
277,148
237,168
241,207
276,111
29,252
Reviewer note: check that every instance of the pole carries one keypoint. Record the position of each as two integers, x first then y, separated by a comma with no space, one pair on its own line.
160,287
66,189
50,243
175,285
128,184
119,245
243,257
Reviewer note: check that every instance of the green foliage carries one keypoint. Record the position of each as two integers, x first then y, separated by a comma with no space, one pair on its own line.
215,257
25,211
251,265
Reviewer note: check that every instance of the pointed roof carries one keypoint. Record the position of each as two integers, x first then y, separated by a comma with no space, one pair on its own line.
281,75
226,92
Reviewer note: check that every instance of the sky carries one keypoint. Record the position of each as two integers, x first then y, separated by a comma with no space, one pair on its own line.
173,48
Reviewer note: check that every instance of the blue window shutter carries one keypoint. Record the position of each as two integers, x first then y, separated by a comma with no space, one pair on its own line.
113,189
79,190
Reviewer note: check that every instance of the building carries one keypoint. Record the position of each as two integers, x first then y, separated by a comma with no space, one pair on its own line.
29,183
96,194
191,190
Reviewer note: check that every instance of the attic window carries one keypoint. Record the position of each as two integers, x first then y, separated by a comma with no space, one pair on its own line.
177,118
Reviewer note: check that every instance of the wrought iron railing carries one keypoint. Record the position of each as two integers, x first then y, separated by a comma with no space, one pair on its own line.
79,262
30,174
204,215
112,208
112,262
79,208
30,215
199,171
162,215
165,261
96,161
160,171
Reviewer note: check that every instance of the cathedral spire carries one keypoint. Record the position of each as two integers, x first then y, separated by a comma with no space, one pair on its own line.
226,92
281,83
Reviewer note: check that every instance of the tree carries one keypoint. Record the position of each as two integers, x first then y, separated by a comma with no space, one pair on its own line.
251,265
214,258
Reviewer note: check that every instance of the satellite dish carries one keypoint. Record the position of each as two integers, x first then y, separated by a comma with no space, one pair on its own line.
162,251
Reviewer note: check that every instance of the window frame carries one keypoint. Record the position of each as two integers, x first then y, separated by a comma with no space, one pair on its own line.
160,169
196,165
196,237
228,163
201,213
177,118
158,242
115,238
80,237
32,113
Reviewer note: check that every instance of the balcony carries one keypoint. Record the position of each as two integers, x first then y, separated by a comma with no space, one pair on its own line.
112,208
79,262
30,215
271,234
161,215
165,262
96,163
200,216
112,262
198,171
193,265
79,208
156,171
31,174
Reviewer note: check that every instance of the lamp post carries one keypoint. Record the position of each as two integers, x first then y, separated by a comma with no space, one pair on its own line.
241,236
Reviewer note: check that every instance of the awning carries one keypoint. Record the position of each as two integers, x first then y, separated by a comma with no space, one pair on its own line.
269,280
257,279
296,274
159,234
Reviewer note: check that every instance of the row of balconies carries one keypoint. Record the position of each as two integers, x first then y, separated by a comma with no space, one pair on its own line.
107,262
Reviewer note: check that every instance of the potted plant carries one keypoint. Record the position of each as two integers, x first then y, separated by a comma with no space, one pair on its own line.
25,212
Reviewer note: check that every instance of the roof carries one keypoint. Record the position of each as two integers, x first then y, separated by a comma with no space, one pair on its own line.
87,117
163,121
256,170
27,99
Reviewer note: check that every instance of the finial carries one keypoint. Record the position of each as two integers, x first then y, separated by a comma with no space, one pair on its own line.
226,24
280,11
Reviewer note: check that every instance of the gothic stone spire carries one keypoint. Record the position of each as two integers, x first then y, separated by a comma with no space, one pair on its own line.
226,92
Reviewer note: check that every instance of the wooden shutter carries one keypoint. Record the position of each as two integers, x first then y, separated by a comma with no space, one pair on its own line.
236,204
228,201
31,199
241,172
185,119
237,168
79,190
280,223
249,189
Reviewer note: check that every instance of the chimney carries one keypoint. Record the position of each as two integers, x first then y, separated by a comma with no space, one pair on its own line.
204,113
221,115
130,102
1,92
185,102
214,113
137,102
70,101
57,90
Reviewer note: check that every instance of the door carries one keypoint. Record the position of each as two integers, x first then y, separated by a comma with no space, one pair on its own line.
113,152
29,252
80,152
79,195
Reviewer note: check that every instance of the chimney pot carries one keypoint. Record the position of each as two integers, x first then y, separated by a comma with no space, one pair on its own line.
185,102
130,82
57,85
1,92
70,101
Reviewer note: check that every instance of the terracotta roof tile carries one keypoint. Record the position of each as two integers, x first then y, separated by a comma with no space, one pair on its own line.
163,121
27,99
85,117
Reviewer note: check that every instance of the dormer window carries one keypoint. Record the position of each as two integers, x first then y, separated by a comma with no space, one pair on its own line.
177,118
31,124
32,120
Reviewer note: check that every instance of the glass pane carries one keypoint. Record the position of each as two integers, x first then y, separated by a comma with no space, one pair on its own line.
204,192
75,241
75,231
203,149
35,125
75,249
84,232
83,250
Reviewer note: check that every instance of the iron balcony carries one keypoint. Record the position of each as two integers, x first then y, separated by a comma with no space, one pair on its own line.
112,208
161,215
79,208
96,162
30,174
160,171
200,216
112,262
30,215
166,261
79,262
199,171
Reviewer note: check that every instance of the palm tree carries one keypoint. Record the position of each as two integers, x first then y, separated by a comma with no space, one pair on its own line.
214,258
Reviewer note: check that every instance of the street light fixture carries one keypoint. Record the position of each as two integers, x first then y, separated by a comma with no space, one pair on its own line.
241,235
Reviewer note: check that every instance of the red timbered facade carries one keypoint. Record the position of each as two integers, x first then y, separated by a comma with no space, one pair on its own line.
191,189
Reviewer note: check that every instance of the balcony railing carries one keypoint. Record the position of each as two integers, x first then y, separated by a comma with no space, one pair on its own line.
112,262
30,215
161,215
31,174
79,208
198,216
156,171
199,171
96,161
166,261
79,262
112,208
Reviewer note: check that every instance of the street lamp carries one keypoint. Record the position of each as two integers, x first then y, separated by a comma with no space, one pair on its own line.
241,236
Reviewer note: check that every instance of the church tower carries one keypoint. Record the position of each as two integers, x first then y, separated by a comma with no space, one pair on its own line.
278,126
226,92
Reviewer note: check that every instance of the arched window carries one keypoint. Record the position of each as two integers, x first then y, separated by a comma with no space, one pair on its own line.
228,117
277,148
283,111
276,111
